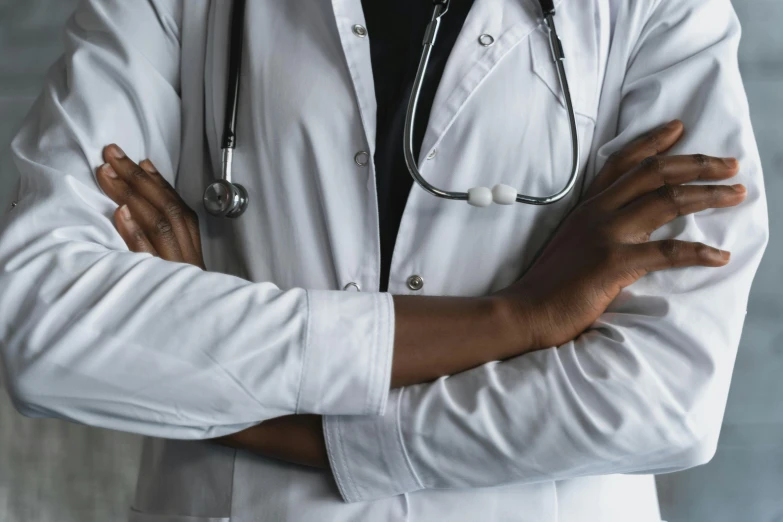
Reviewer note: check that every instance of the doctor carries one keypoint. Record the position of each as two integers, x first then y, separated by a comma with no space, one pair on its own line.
308,331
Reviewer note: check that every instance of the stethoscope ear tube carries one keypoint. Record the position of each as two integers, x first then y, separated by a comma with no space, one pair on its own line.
223,198
548,7
499,194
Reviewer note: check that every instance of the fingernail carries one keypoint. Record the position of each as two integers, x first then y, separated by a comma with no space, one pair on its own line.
149,165
116,152
125,212
108,170
673,124
740,188
730,162
725,254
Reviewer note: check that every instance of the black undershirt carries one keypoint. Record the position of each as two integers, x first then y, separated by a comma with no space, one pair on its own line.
396,30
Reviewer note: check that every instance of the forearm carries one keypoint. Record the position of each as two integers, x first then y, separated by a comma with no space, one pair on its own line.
437,336
434,336
297,439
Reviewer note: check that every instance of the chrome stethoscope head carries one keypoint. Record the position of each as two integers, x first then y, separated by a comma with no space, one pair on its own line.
499,194
222,198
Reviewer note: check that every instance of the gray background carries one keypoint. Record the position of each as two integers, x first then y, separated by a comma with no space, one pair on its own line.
56,471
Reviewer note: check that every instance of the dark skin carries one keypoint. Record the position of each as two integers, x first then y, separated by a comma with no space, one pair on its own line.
637,192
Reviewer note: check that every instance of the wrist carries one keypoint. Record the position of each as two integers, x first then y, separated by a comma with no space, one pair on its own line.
516,322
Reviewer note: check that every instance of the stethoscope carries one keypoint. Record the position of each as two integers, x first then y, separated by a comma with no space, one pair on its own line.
226,199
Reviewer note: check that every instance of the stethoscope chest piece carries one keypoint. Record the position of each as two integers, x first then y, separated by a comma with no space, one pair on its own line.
225,199
222,198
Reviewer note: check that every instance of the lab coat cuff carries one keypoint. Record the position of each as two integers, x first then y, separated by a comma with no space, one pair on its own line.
367,455
347,357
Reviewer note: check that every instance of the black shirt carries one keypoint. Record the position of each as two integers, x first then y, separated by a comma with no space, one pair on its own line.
396,30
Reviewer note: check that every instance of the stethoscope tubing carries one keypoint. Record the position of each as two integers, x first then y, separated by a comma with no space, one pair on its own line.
558,57
227,199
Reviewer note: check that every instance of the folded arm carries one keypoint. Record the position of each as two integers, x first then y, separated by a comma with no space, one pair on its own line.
139,337
645,388
94,333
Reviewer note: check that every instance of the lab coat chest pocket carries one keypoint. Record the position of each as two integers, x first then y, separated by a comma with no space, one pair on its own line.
582,75
581,70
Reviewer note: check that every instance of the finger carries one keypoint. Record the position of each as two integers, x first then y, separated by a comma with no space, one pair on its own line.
154,224
656,172
153,172
649,213
191,218
670,253
652,143
131,232
166,202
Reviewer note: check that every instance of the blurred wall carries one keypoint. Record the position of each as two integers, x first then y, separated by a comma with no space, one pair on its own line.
744,482
50,471
57,471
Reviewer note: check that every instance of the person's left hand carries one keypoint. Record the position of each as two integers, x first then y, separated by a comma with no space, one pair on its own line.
151,216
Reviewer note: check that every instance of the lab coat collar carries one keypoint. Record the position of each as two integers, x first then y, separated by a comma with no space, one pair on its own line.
509,22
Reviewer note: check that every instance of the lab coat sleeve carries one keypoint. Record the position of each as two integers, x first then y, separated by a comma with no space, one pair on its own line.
644,390
95,334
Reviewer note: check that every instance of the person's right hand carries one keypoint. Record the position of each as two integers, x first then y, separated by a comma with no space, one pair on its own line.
603,245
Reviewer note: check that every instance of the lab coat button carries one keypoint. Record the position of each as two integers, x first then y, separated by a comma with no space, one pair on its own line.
353,286
487,40
362,158
13,204
359,31
432,154
415,282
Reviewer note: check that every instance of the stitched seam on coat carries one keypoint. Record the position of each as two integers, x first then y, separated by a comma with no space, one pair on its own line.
398,429
341,442
373,370
389,350
306,345
335,457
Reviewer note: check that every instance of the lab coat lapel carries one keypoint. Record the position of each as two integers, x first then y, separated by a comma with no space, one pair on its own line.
348,13
509,22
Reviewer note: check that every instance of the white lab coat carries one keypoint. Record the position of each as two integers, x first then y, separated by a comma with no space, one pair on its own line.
102,336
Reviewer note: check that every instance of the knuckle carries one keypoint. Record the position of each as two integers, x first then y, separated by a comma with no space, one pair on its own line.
173,210
713,193
702,250
669,194
701,160
653,164
128,193
653,140
138,172
192,217
670,249
163,227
